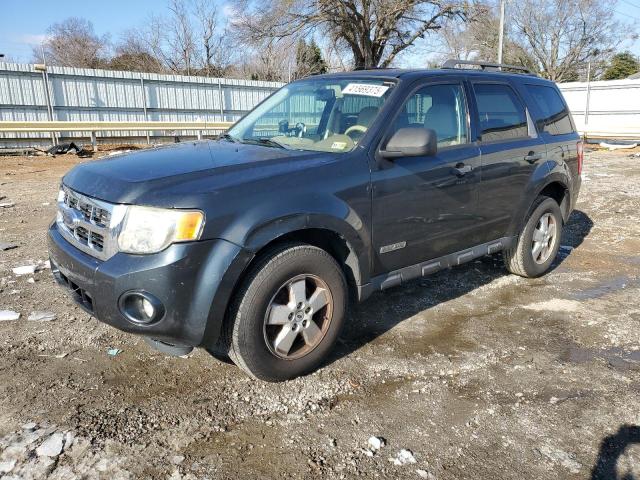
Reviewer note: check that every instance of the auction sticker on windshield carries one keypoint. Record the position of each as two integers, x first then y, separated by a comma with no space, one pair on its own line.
365,89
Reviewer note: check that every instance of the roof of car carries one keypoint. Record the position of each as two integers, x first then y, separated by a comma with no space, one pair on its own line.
412,73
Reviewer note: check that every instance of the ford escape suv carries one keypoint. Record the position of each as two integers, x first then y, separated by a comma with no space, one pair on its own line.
335,186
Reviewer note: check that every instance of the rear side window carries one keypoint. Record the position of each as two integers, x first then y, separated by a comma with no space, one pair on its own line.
502,115
556,119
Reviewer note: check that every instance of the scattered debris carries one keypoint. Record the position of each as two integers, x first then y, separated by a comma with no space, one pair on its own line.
31,280
7,246
41,316
29,426
63,148
112,352
59,355
567,460
177,459
7,204
424,474
554,305
376,443
52,446
7,465
7,315
403,457
43,265
25,270
617,146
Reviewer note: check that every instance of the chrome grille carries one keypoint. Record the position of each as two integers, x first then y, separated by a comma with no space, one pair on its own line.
87,223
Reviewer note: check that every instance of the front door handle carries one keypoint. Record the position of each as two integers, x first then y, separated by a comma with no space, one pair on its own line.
532,157
461,169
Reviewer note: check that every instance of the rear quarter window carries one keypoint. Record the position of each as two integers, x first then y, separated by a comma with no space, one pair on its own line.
502,114
555,115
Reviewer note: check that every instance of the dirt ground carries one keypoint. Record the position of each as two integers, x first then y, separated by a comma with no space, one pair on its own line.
480,374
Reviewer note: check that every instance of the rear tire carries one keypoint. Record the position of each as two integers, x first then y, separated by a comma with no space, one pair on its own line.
539,241
287,314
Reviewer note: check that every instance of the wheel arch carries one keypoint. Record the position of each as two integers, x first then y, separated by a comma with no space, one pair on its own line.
559,191
556,186
330,240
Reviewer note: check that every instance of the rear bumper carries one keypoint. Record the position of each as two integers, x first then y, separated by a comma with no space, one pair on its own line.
194,282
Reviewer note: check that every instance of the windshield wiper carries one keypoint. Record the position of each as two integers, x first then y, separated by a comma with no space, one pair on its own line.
264,141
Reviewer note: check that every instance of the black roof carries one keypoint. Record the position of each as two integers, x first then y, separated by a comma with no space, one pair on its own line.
414,73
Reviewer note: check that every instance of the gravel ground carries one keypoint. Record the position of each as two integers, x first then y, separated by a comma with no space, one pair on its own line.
478,374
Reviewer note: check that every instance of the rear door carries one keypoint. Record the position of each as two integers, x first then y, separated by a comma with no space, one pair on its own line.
555,125
510,150
424,207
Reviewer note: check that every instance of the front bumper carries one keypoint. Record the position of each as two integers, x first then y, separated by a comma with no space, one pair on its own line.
194,282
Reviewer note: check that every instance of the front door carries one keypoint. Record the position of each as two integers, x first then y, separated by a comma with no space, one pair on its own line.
424,207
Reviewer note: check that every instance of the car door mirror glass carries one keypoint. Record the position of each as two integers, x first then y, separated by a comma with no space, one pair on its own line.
411,142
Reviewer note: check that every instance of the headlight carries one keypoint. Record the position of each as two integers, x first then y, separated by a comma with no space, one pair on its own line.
150,230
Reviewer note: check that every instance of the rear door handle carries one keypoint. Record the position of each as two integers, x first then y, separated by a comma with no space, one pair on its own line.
532,157
461,169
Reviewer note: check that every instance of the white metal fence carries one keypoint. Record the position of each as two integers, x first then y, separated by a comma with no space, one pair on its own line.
605,109
78,94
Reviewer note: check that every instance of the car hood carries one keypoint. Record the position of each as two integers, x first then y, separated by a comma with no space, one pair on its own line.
170,176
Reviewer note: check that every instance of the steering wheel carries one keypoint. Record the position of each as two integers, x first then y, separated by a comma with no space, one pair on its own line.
356,128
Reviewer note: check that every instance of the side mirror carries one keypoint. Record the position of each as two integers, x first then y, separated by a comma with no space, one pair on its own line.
411,142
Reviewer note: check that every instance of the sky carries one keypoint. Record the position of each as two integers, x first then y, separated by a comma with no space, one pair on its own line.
23,23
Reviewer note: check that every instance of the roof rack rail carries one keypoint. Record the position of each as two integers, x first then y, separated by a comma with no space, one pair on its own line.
496,67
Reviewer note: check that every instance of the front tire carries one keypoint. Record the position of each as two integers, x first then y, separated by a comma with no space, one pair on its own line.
287,314
538,242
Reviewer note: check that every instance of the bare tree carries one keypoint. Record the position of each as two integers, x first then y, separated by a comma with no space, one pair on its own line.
375,31
477,39
270,59
73,43
180,38
135,54
207,16
563,35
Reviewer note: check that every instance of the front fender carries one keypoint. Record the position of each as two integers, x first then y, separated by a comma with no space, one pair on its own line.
263,225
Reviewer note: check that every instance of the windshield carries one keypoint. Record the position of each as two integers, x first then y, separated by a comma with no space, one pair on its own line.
328,115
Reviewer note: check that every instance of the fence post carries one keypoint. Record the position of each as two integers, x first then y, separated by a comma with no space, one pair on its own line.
144,105
221,98
47,96
586,108
94,141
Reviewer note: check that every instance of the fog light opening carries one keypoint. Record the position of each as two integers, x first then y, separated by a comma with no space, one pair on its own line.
141,307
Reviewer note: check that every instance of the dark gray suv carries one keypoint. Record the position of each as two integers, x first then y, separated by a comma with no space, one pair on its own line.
335,186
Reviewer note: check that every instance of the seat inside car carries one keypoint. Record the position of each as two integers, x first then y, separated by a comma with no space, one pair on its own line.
442,116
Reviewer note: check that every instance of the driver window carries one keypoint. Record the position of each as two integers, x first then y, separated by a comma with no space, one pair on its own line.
440,108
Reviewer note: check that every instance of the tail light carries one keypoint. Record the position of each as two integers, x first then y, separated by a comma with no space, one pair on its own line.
580,156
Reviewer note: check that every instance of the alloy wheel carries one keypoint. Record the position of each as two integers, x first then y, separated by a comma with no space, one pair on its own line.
298,317
544,238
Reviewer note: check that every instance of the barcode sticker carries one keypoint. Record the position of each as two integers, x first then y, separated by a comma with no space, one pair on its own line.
366,89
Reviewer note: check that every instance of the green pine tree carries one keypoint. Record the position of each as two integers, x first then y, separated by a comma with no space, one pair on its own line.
622,65
309,59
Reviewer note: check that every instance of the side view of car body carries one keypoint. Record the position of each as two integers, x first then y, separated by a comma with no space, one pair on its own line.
334,187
